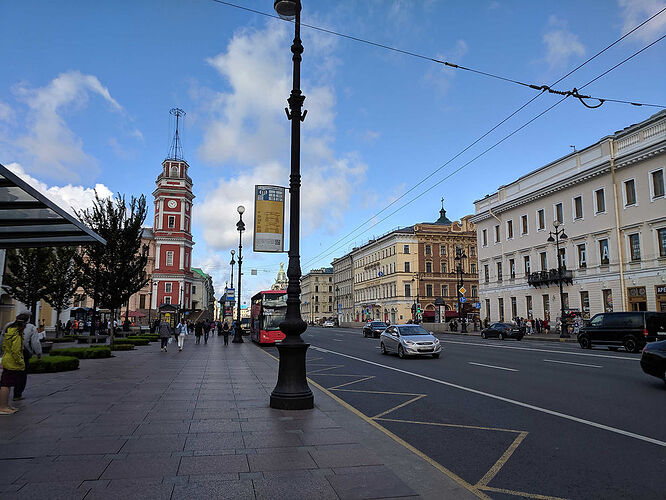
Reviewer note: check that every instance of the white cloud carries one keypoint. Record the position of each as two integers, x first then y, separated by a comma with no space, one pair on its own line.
441,76
6,113
55,149
67,197
634,12
561,44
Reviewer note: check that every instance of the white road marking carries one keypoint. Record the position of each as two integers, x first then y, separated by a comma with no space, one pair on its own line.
572,353
506,400
337,340
491,366
570,363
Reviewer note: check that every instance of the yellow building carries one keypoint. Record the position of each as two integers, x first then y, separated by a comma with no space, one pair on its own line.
317,295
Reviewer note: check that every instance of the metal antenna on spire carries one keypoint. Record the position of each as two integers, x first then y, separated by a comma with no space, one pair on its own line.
176,149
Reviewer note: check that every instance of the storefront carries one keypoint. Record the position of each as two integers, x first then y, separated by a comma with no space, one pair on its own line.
660,294
637,298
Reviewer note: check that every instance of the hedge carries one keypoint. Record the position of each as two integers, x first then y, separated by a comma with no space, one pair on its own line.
67,338
50,364
122,347
133,341
101,351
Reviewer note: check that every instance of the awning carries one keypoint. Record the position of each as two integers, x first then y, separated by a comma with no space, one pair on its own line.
450,314
30,219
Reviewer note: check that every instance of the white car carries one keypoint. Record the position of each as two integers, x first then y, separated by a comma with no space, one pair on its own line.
328,324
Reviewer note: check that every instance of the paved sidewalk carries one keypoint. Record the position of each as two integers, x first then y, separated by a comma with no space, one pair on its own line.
196,424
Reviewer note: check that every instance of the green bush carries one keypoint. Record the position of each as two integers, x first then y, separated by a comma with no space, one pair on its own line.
138,341
99,351
122,347
50,364
66,338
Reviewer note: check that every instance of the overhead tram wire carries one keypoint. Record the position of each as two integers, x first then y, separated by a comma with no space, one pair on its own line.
430,188
591,58
543,88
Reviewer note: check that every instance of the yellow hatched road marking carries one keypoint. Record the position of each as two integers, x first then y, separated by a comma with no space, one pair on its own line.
399,406
350,383
461,426
520,493
328,367
502,460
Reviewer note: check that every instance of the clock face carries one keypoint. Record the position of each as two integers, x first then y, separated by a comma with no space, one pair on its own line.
172,203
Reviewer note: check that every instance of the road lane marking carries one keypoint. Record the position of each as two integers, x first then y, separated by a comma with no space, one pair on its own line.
506,400
571,363
501,461
492,366
541,350
337,340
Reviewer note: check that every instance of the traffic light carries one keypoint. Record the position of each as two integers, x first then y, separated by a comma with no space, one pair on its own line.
418,308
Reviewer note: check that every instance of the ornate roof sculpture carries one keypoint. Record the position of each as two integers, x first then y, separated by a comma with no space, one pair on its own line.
281,280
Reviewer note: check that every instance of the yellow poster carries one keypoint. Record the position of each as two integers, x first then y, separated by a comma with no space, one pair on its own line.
269,218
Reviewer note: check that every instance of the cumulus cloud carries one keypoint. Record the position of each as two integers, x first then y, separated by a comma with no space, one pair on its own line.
68,197
54,148
634,12
561,44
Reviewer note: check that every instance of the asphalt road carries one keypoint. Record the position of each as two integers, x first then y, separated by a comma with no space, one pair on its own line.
510,419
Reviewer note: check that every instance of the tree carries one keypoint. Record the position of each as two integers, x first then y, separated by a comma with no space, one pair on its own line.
28,276
63,278
112,273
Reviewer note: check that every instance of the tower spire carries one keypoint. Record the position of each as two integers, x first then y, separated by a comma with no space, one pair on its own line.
176,149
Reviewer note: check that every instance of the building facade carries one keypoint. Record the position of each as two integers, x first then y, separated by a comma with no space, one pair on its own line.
609,199
317,295
343,286
203,293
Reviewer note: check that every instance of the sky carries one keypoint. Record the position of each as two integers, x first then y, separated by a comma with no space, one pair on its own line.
87,87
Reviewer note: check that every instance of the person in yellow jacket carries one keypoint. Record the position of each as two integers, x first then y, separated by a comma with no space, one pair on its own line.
13,362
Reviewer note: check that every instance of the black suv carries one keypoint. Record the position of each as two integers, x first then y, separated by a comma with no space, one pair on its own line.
629,329
374,328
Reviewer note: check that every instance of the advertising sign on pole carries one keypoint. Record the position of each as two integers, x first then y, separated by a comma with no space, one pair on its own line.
268,218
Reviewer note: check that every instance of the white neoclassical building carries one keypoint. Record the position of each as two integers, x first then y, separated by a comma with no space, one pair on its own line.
609,199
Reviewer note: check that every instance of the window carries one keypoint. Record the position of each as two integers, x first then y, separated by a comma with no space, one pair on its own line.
405,249
474,291
472,251
585,304
488,308
316,308
142,301
408,290
316,288
526,263
661,237
541,219
486,274
629,193
172,221
443,267
499,271
406,267
657,183
169,258
194,289
472,268
582,256
578,207
604,256
512,268
557,212
607,296
565,300
599,201
562,258
442,249
428,290
445,290
500,305
428,250
546,305
167,287
497,233
509,229
330,289
167,300
316,298
543,258
635,247
514,308
484,234
528,305
523,224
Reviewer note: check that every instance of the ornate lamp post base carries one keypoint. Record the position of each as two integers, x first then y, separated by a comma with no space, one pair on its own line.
292,391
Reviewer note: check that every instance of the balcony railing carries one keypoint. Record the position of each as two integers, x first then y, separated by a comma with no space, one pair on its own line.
551,277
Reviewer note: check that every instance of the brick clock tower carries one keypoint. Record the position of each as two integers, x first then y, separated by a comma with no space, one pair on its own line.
172,277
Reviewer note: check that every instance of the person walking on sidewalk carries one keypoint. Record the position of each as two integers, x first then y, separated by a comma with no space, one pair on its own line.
225,332
181,331
198,330
206,329
165,333
13,362
31,346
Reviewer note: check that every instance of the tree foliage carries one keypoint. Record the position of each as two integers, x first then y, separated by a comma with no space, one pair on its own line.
28,277
63,279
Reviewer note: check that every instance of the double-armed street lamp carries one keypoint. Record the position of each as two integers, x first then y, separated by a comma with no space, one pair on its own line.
555,237
292,391
459,272
240,225
415,307
337,303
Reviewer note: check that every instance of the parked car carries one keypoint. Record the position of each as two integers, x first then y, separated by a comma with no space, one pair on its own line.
409,340
503,331
329,324
653,360
629,329
374,328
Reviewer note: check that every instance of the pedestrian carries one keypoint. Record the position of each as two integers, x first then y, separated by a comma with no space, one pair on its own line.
206,329
13,361
225,333
165,333
31,345
198,331
219,328
181,331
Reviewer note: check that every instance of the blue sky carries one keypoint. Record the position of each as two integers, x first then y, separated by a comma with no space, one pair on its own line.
87,87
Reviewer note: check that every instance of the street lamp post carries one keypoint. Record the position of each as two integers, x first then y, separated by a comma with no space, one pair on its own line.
240,225
232,263
292,391
416,300
559,234
460,255
337,303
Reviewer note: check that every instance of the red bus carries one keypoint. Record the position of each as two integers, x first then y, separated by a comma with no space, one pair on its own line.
267,312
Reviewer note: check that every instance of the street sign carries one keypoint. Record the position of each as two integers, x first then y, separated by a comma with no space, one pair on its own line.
477,305
268,218
462,290
339,308
231,294
462,299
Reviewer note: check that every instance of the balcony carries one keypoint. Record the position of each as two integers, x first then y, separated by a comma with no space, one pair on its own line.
551,277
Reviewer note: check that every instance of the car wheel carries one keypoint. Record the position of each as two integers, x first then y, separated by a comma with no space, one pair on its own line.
584,342
483,335
630,344
365,334
501,336
436,355
519,338
401,352
383,349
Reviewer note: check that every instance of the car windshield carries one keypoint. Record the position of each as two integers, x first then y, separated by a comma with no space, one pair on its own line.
378,324
412,330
